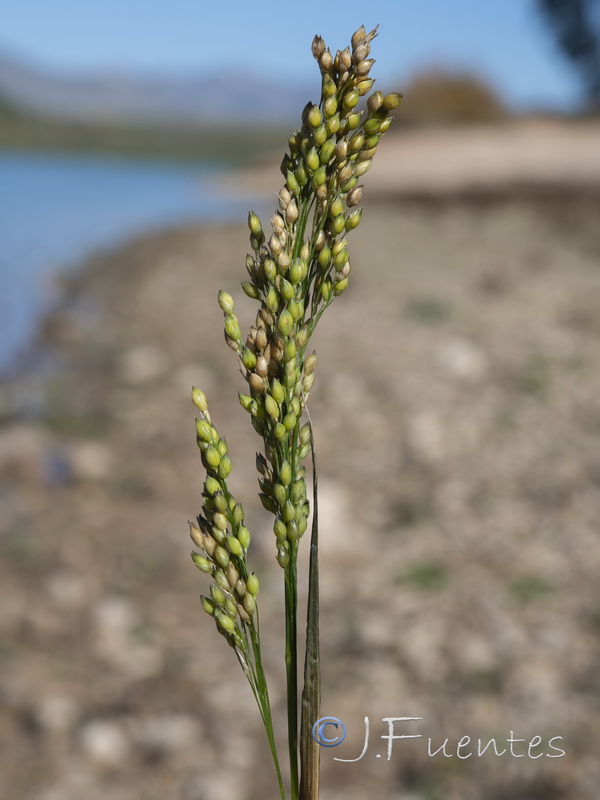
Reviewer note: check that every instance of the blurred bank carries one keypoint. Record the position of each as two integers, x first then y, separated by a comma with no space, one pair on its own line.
455,403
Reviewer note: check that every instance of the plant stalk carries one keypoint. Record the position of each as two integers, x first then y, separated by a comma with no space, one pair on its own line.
311,693
291,663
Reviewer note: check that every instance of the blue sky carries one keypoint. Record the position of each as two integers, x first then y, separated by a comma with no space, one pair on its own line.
501,40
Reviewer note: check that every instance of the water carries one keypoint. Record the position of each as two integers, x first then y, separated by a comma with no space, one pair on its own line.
55,210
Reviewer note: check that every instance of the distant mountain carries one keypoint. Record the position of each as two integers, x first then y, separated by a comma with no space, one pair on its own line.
199,99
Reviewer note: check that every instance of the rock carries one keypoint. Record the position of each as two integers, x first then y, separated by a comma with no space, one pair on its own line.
67,589
22,449
104,743
115,642
143,363
57,713
462,359
425,437
90,460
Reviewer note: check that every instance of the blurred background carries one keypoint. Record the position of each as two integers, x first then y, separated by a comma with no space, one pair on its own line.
455,407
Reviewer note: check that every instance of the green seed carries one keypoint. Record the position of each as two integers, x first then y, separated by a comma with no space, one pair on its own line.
204,430
327,151
333,124
330,106
291,183
287,290
249,604
225,302
221,580
289,512
220,521
372,126
217,594
271,406
303,452
207,605
277,391
357,141
280,493
289,421
283,556
339,223
289,351
354,120
324,257
252,584
212,485
225,467
221,556
285,473
234,546
340,286
312,159
232,328
254,224
199,399
280,432
225,623
392,101
320,136
353,220
285,323
202,563
237,513
213,459
315,117
250,289
336,207
280,530
319,178
350,99
243,536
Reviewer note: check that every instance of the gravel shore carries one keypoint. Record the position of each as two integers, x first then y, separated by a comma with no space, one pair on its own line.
458,430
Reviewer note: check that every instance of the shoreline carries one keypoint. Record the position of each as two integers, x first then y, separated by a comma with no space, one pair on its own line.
434,451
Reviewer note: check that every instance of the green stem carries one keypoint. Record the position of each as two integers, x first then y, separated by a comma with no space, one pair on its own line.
264,704
311,694
291,664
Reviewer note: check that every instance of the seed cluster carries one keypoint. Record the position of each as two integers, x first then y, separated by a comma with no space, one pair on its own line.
294,274
222,538
301,267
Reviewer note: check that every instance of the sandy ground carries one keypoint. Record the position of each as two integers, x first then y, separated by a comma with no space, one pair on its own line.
458,429
523,156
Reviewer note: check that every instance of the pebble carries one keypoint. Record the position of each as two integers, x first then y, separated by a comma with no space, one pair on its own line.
22,447
462,359
66,588
425,437
90,460
115,620
57,713
104,743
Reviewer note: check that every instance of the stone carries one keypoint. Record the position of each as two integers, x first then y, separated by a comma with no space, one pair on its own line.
104,742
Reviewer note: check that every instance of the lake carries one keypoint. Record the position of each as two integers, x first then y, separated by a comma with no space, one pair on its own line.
57,209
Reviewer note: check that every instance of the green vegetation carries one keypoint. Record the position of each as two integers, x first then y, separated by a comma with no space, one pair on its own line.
295,274
427,576
21,129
